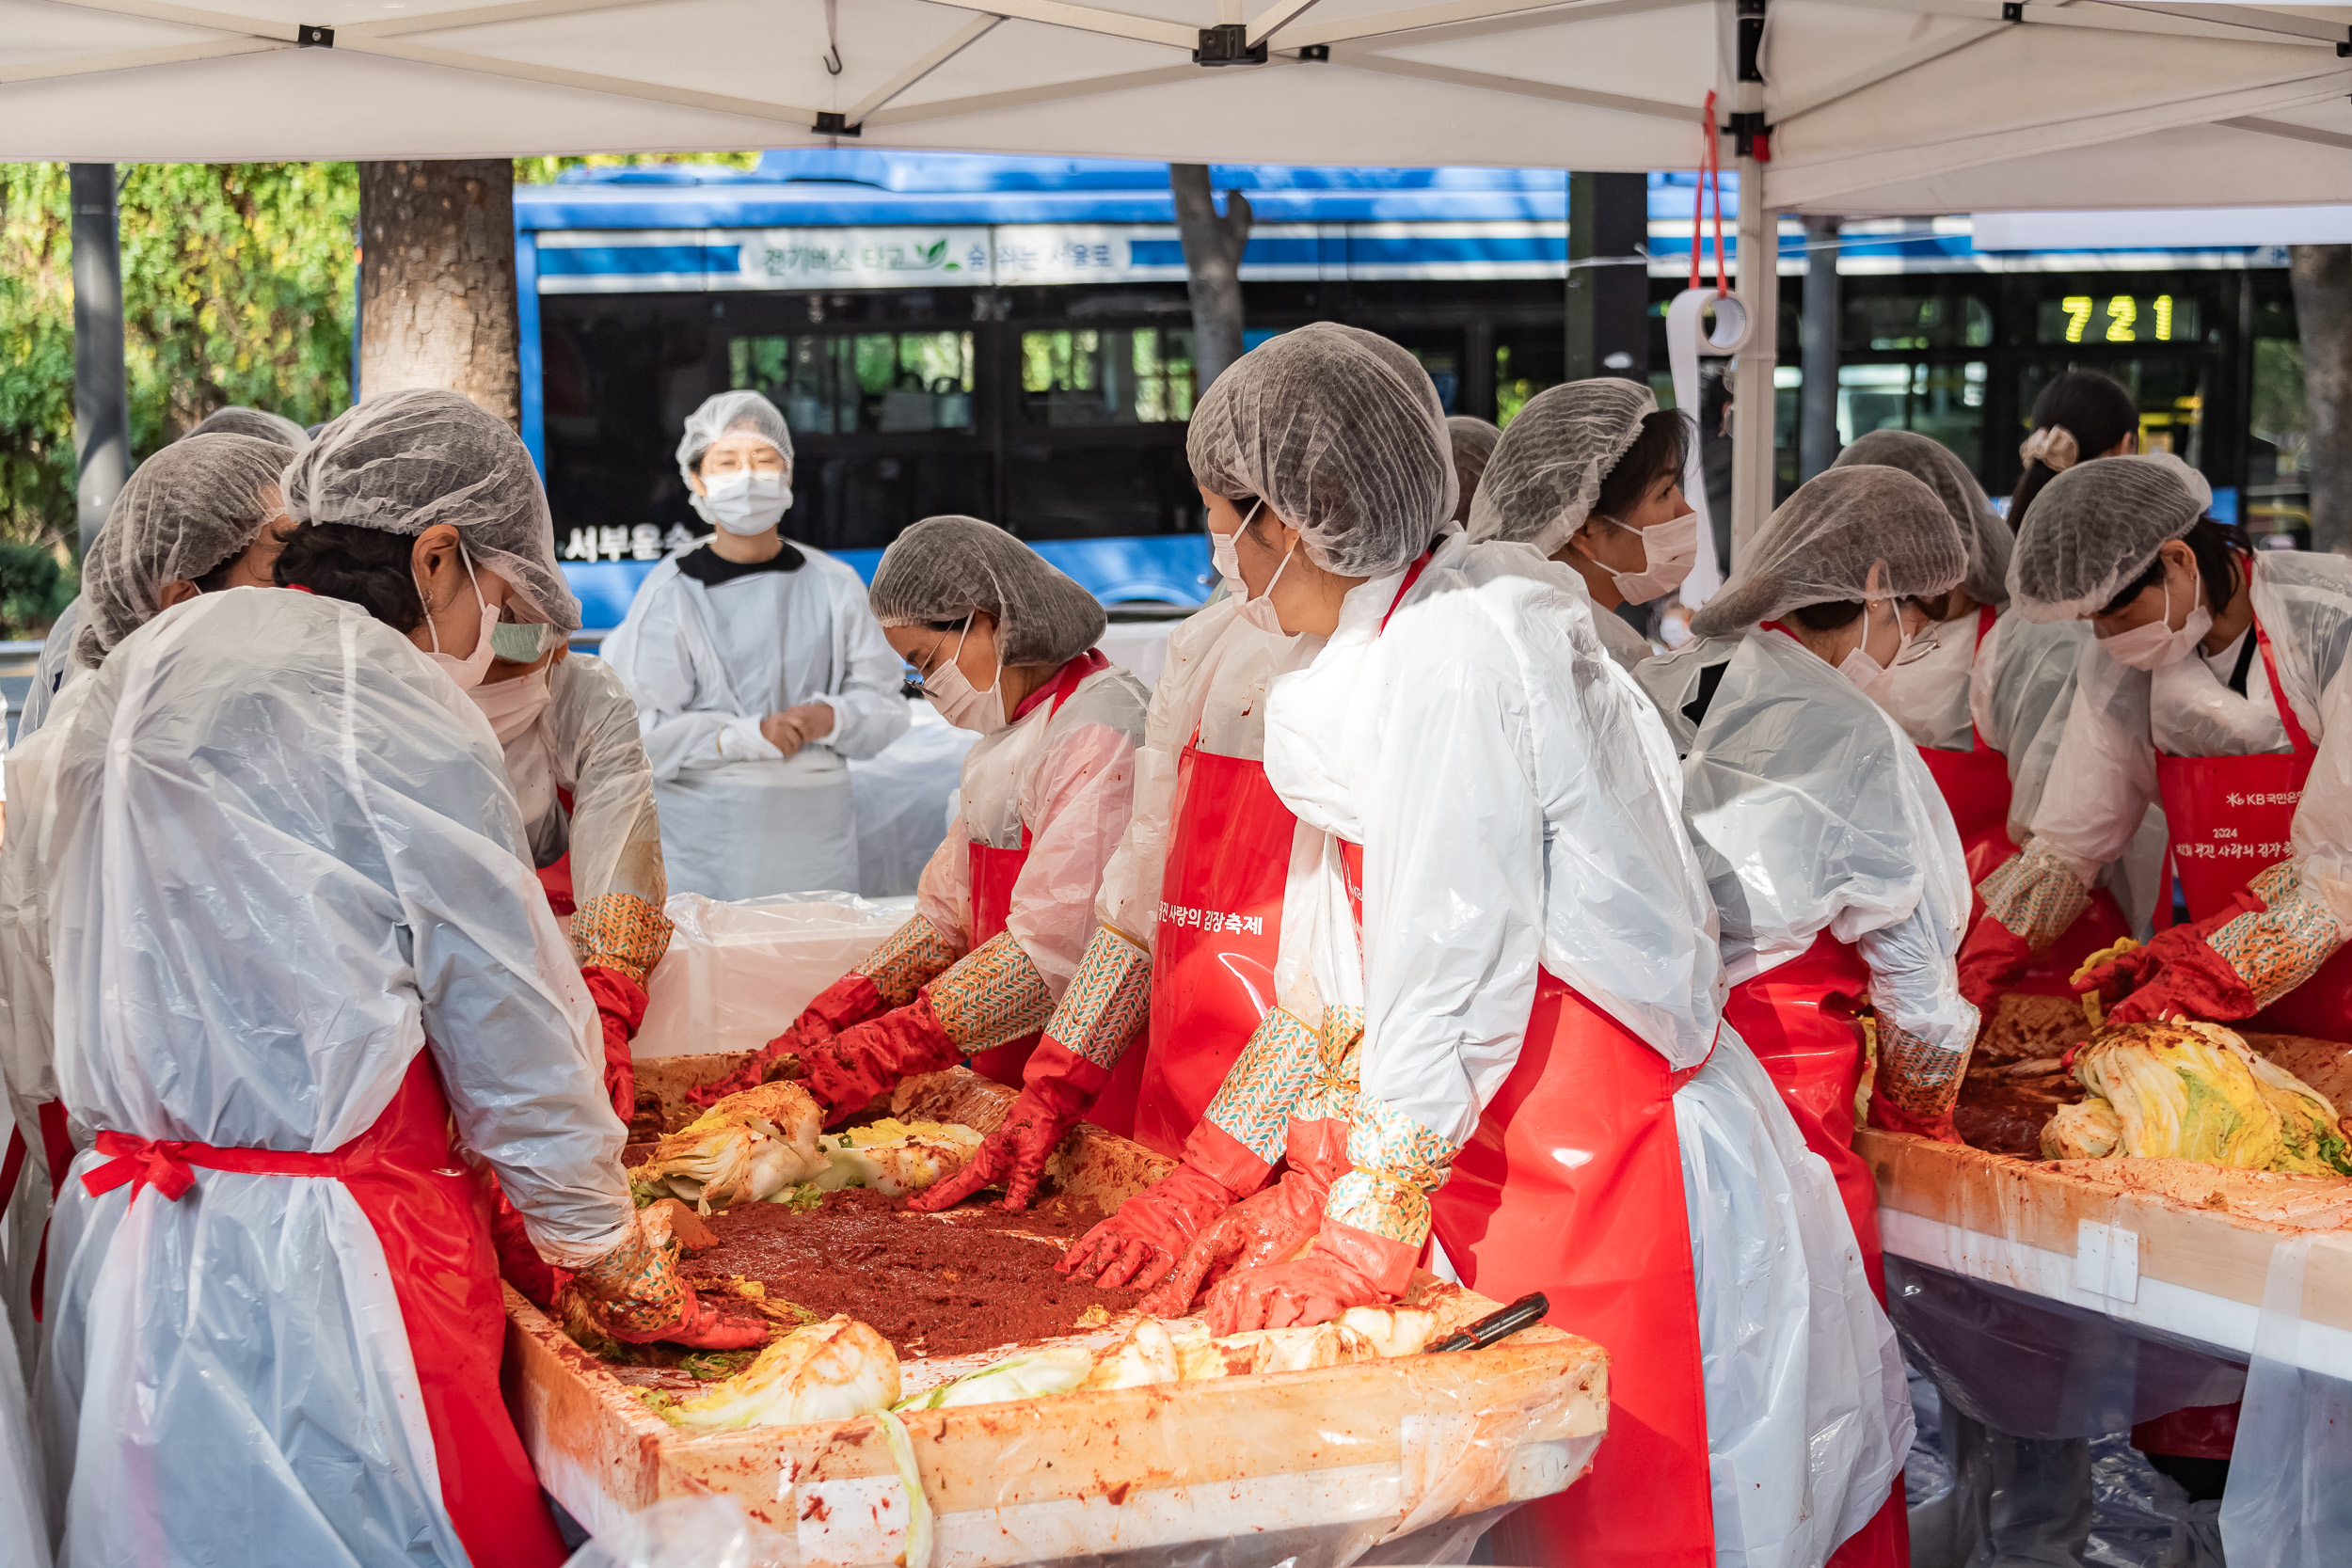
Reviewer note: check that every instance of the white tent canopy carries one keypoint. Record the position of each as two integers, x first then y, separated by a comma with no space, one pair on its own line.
1874,106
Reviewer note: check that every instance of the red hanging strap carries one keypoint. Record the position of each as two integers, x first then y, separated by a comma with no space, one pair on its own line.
1711,173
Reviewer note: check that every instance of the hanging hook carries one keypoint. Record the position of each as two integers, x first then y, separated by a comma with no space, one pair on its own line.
832,60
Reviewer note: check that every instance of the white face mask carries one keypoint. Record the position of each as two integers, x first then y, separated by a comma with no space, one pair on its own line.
1867,672
745,502
514,706
1669,551
1260,611
959,701
2156,645
467,672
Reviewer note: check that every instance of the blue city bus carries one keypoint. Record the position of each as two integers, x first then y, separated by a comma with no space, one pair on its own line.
1010,338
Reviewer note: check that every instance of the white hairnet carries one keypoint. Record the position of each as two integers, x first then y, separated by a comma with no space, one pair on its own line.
1938,467
186,512
1547,472
407,460
723,413
2091,530
2194,483
261,427
1858,533
1473,448
945,568
1340,432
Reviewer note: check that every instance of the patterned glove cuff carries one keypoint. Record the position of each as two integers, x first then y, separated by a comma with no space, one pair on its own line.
634,1285
621,932
1917,1075
1399,1165
1108,999
991,997
2276,949
2034,896
1331,1091
907,959
1253,1105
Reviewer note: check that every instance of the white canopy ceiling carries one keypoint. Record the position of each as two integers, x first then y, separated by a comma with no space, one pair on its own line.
1877,106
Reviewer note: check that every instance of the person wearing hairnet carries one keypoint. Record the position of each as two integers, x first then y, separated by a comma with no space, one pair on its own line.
1591,474
56,665
758,674
1005,916
273,1182
566,727
1192,902
1534,971
1473,442
199,517
1984,695
2214,682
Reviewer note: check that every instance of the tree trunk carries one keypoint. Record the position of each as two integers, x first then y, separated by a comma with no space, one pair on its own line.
2322,276
1213,248
437,281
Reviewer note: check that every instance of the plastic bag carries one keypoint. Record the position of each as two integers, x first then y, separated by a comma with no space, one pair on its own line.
2039,1369
904,796
687,1532
737,973
2287,1505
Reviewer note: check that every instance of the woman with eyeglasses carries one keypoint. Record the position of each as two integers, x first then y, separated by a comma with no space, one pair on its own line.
758,674
1005,647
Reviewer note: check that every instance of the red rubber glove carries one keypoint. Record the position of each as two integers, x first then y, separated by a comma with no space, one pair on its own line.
1890,1117
621,1007
1056,1086
848,1001
1991,961
1348,1268
519,1263
1148,1232
1269,1228
845,1071
2182,978
635,1295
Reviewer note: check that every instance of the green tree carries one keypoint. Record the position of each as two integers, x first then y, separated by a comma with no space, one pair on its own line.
238,281
237,288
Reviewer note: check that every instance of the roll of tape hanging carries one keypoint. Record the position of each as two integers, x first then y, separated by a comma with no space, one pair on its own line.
1700,321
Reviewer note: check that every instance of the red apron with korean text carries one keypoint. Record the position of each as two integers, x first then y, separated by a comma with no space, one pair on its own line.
994,872
1212,951
431,1218
2231,818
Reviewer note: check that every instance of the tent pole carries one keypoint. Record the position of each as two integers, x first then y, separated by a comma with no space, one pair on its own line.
102,409
1751,396
1817,415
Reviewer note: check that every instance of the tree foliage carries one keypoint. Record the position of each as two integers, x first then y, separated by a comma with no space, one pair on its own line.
238,283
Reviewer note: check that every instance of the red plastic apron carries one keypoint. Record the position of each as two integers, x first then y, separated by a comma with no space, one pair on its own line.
430,1218
1572,1186
1213,952
994,871
1804,1023
1976,787
2231,818
57,1152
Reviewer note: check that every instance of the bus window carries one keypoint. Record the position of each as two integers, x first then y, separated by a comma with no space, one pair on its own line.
1945,401
839,383
1106,376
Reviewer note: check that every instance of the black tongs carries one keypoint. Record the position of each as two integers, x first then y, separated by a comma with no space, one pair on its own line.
1496,1327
